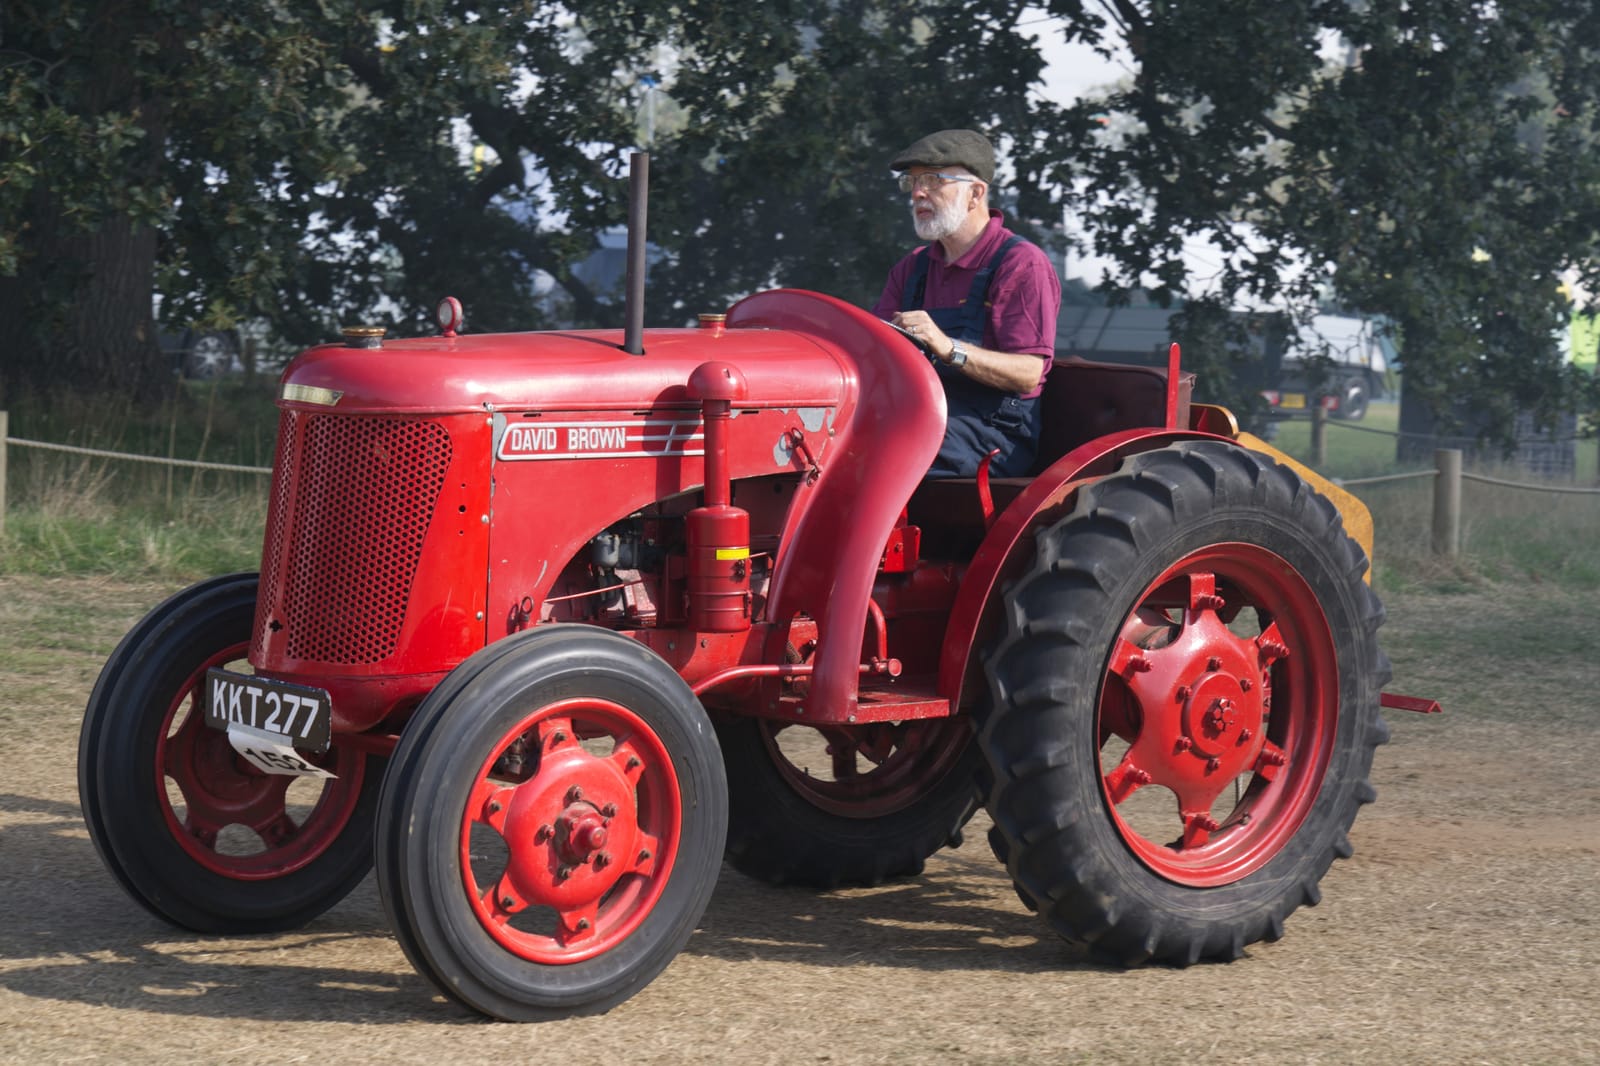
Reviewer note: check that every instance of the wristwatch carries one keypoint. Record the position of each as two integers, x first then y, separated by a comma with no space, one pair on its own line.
958,355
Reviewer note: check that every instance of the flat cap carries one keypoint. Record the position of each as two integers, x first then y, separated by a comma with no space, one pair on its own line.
960,148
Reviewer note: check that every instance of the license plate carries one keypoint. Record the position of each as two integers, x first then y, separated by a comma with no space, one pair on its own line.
298,714
1295,400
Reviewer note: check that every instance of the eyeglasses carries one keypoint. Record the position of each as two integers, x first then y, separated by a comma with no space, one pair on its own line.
930,182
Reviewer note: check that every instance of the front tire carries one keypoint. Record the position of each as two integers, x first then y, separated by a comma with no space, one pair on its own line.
1184,707
553,825
190,830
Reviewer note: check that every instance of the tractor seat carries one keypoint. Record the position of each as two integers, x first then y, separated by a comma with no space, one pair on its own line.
1081,401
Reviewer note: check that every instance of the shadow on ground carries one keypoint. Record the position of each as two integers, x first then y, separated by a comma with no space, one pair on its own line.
76,936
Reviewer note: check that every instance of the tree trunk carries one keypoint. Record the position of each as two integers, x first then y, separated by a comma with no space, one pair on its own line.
79,311
83,304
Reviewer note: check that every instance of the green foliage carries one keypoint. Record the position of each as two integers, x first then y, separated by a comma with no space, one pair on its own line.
792,185
313,165
1433,162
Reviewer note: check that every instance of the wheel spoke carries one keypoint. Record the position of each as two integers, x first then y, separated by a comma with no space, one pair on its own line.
1197,828
202,827
277,829
645,858
179,748
265,813
1272,646
1271,760
1126,779
1128,659
554,732
489,802
843,756
502,900
578,924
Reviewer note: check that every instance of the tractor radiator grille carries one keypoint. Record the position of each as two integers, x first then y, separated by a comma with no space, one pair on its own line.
349,514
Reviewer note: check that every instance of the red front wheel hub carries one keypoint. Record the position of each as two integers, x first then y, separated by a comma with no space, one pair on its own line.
569,832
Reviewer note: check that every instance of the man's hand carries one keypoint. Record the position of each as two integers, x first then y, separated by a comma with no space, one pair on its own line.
921,326
1006,371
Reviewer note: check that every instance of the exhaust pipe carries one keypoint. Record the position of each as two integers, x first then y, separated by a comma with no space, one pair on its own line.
633,299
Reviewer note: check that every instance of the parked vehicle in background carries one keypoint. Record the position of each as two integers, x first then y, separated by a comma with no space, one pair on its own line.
1344,357
1361,355
203,355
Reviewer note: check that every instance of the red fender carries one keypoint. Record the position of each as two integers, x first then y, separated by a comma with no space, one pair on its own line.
834,540
1008,546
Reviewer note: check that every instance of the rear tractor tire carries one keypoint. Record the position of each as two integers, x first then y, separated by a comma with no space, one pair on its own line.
1183,707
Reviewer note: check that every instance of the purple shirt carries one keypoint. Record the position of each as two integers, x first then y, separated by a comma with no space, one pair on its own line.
1024,294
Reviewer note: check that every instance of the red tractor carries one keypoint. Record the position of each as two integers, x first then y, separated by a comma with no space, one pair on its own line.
548,625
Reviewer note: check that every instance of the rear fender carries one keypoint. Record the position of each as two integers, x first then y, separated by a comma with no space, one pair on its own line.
1008,547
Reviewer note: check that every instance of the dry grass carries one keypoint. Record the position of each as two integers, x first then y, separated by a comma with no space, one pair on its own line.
1463,930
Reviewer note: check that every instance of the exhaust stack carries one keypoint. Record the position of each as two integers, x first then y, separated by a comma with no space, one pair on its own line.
633,299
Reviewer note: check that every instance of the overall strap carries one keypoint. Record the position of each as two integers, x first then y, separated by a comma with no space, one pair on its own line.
975,308
916,286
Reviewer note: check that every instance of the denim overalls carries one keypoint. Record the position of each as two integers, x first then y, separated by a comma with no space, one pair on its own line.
981,418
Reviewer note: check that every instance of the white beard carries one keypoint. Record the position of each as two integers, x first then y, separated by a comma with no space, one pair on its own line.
947,218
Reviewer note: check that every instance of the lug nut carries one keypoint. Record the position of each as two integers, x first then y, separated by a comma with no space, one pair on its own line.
601,861
574,794
609,810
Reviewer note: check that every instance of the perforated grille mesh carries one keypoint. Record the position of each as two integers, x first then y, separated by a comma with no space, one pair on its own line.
348,520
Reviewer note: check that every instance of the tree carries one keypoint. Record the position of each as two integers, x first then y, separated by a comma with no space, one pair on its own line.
303,163
1432,161
793,185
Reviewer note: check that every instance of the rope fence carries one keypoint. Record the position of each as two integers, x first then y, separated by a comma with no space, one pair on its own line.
190,464
1447,474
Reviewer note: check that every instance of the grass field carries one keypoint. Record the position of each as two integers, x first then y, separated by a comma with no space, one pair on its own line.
76,515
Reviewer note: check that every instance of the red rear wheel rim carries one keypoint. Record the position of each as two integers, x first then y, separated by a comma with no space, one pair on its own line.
1221,694
570,831
236,821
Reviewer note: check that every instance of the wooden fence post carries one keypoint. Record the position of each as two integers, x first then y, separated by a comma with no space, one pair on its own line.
5,449
1319,435
1447,502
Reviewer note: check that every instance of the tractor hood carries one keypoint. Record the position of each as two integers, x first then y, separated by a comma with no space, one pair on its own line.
580,370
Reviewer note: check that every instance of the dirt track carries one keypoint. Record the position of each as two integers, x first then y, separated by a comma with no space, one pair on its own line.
1465,929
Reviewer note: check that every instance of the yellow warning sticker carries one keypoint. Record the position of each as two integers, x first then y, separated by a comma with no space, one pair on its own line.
732,553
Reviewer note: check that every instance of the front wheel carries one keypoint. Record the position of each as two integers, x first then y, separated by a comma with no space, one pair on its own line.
552,827
191,830
1184,706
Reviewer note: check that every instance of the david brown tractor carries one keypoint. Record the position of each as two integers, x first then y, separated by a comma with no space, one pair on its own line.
548,625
